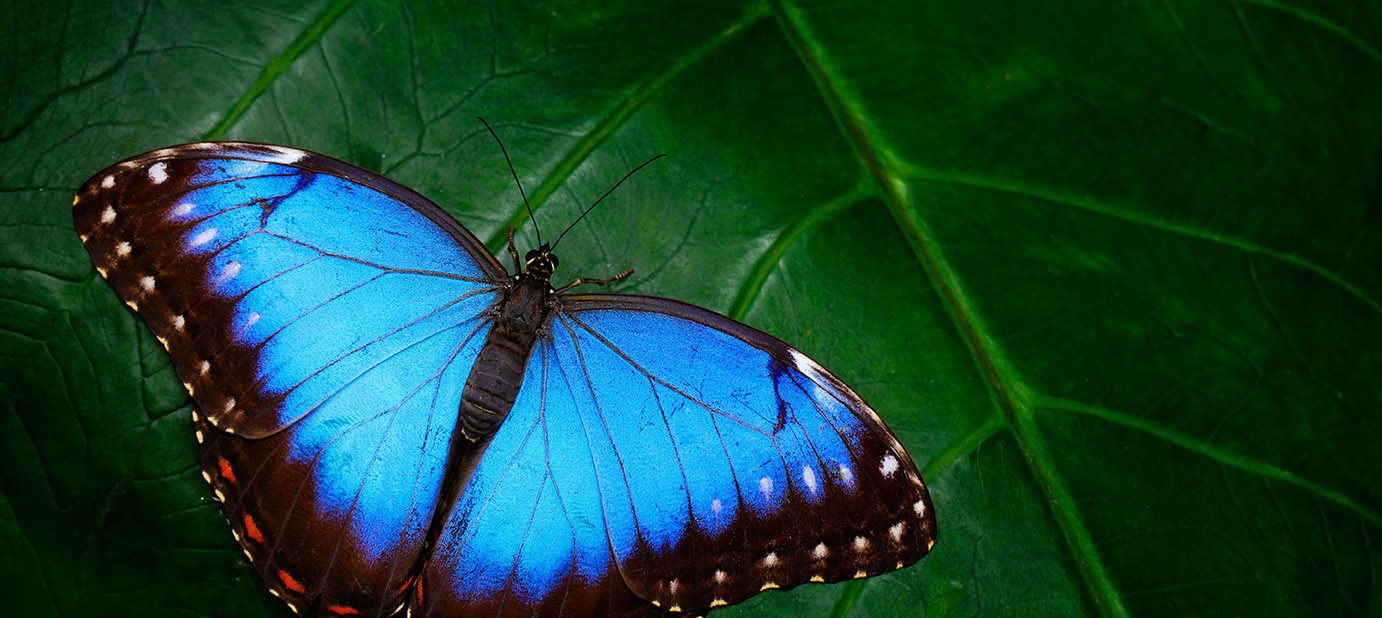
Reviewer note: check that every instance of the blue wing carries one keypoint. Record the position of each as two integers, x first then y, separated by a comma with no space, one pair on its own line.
324,320
661,454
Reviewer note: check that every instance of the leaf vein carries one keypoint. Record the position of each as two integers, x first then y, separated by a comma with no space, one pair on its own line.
1219,455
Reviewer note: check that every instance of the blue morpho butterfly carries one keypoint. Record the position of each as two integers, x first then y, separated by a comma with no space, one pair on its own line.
394,423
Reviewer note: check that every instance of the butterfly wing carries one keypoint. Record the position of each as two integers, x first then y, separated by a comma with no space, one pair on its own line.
527,536
324,320
662,452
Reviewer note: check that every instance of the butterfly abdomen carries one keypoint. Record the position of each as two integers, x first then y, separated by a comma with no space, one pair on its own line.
498,371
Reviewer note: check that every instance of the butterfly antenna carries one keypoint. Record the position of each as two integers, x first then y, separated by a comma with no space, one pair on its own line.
515,178
602,197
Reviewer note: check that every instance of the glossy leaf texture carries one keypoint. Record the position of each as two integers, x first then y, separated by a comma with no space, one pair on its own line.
1111,270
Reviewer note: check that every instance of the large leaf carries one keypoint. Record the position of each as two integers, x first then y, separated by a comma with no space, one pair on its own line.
1110,269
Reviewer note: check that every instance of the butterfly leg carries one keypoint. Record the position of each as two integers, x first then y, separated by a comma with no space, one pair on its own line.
595,281
513,252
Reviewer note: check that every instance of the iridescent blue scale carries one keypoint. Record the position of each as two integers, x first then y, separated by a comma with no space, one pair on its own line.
657,458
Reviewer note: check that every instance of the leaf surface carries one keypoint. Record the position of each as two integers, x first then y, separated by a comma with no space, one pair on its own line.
1110,270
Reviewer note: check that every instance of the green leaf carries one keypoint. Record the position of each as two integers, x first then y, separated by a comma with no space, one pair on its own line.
1110,269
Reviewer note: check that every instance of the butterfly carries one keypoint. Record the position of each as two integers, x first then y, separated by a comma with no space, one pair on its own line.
394,422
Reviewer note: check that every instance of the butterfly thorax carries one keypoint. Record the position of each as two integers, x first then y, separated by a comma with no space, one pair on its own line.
495,377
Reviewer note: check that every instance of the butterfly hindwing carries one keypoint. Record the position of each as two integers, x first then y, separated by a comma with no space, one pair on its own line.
663,451
324,320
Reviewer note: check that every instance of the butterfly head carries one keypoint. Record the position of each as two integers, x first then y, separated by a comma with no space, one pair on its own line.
540,263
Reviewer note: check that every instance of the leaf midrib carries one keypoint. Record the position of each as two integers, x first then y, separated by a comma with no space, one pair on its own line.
1008,389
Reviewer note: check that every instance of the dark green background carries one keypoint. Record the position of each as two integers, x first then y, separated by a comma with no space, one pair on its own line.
1111,269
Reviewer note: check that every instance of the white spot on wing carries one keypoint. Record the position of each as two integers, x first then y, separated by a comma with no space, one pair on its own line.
206,366
231,269
765,485
847,475
770,559
672,586
286,156
108,214
230,404
147,284
820,551
813,372
804,364
206,476
809,475
896,531
204,237
715,506
720,577
183,208
252,319
860,543
200,437
158,172
179,322
920,508
889,466
107,182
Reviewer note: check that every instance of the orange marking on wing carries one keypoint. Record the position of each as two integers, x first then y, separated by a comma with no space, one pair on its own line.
292,584
252,529
342,610
226,472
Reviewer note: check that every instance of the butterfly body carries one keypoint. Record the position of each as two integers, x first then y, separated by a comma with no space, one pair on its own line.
394,422
497,375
